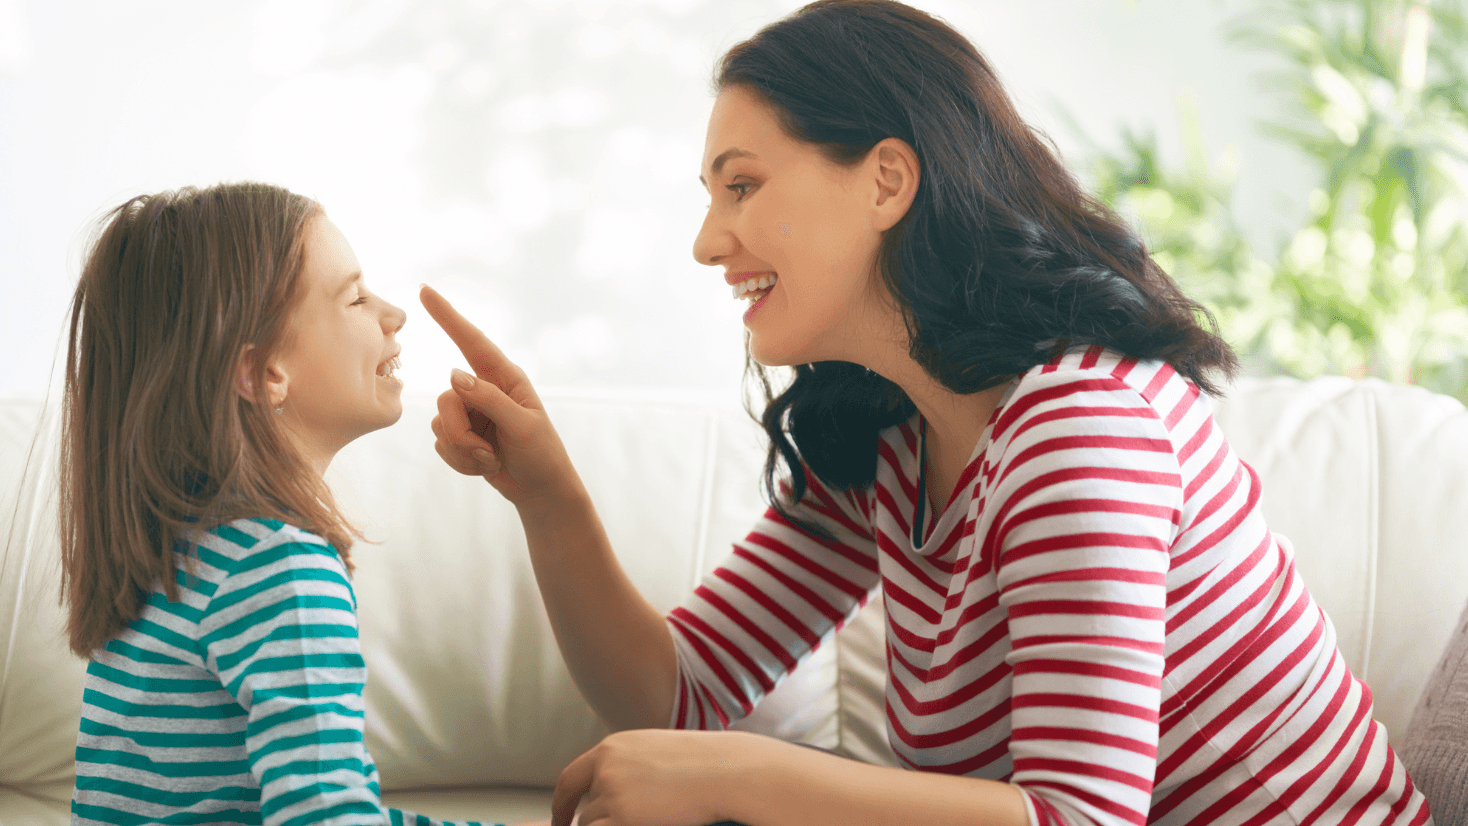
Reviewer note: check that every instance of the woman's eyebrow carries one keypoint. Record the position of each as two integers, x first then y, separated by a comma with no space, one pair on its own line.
724,158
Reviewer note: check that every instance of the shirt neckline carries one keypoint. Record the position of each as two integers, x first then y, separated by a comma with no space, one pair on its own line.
949,511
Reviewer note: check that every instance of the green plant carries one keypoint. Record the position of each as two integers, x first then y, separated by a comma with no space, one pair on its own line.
1376,281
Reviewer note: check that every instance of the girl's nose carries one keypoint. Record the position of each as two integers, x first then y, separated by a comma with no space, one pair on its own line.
393,317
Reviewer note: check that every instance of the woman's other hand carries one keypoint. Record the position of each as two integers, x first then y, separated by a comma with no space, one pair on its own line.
492,423
657,777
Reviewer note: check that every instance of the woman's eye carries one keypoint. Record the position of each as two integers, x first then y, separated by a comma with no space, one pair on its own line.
360,300
740,189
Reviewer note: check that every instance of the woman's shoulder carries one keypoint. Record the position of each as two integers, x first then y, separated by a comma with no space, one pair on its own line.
1094,391
1088,375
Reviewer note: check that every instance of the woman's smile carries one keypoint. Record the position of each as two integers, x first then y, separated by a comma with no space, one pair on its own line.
822,276
753,287
745,286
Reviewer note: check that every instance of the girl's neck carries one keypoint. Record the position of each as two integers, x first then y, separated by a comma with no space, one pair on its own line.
316,455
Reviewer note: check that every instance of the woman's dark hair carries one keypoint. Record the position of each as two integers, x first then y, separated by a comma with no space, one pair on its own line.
1001,263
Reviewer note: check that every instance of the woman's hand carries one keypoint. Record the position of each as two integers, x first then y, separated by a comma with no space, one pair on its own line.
658,777
492,424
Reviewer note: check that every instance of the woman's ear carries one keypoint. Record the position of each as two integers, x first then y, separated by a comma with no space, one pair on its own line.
894,165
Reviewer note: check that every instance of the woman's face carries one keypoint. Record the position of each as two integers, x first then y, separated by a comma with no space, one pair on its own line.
795,234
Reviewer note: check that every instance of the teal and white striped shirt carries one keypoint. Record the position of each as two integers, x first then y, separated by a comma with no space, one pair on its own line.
240,703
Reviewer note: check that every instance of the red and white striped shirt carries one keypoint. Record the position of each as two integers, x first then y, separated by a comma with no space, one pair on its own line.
1099,616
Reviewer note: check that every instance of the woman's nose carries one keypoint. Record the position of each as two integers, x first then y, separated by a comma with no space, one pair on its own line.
713,242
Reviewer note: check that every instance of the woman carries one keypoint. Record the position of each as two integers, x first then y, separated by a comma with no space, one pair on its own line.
997,418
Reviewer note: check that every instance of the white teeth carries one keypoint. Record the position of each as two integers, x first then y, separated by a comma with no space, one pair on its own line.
391,367
750,285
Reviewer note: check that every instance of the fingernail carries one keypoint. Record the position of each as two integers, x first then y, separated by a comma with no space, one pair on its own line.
462,380
483,456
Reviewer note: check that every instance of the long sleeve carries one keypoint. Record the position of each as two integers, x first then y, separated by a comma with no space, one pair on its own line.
785,589
1087,516
280,632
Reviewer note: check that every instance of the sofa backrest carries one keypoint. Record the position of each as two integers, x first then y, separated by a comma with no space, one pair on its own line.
466,685
1367,480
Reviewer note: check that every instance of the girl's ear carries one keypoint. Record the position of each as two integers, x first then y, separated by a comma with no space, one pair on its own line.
276,382
244,369
894,165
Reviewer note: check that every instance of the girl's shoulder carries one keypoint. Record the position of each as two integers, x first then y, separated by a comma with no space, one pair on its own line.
253,545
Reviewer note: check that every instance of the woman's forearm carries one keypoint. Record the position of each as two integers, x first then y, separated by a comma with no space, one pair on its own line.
616,644
794,786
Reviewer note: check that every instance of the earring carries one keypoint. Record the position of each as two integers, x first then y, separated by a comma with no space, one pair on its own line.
281,409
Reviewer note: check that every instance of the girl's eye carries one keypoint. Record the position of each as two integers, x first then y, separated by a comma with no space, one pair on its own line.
740,189
360,300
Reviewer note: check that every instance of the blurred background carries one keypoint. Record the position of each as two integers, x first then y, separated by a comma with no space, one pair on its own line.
1301,167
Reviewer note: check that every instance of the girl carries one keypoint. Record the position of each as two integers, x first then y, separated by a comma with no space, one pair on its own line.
998,417
223,348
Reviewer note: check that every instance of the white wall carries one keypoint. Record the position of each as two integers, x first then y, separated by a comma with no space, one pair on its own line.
536,160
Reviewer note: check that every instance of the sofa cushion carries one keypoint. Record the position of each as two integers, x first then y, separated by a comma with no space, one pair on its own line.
1435,750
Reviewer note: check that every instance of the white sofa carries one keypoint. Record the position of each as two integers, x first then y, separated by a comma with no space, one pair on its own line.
470,711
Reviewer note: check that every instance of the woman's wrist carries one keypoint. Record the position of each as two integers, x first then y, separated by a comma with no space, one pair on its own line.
554,499
769,779
781,783
753,791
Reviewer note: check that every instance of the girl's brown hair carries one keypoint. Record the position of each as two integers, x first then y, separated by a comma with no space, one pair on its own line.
157,441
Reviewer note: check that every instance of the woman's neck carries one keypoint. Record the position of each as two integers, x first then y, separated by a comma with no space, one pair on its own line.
953,423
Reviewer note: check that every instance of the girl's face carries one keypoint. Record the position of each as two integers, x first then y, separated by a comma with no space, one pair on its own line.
794,232
335,370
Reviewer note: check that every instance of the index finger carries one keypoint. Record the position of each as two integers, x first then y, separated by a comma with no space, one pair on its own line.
575,781
486,359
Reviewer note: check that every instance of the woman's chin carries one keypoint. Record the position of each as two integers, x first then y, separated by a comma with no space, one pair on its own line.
766,358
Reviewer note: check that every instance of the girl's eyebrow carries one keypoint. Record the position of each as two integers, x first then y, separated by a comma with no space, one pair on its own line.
350,280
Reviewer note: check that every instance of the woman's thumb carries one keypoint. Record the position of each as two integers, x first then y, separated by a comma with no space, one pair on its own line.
485,397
